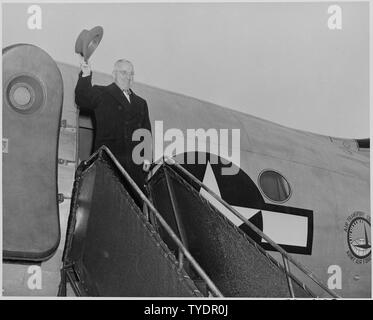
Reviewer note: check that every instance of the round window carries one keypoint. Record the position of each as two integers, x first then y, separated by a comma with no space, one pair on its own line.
274,186
25,94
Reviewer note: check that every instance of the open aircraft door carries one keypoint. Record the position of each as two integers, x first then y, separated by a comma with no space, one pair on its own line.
32,103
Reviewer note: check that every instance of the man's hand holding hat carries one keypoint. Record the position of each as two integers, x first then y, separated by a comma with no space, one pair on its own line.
84,66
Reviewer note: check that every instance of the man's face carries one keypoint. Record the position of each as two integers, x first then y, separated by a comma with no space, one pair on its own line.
124,75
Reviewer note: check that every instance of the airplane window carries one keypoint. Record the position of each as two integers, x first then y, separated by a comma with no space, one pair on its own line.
25,94
22,96
274,186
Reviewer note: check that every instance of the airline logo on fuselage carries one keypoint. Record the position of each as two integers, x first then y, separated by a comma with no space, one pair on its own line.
357,228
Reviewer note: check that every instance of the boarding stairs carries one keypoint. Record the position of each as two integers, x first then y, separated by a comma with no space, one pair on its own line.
175,243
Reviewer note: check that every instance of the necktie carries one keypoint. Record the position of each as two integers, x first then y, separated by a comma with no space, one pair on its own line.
128,92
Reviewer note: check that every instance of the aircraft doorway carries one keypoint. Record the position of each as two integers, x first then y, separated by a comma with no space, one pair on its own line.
86,136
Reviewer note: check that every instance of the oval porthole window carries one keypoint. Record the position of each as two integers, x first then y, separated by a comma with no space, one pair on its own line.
274,186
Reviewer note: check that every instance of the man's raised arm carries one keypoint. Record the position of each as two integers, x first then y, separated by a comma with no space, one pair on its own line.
85,94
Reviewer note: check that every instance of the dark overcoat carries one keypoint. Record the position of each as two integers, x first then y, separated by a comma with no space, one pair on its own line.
115,120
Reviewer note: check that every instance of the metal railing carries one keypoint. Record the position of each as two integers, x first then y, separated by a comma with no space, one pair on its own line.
285,256
185,253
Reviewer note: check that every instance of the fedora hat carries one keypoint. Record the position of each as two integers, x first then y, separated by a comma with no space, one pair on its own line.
88,41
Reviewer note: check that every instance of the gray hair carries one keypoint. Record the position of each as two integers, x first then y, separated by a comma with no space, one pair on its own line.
118,63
